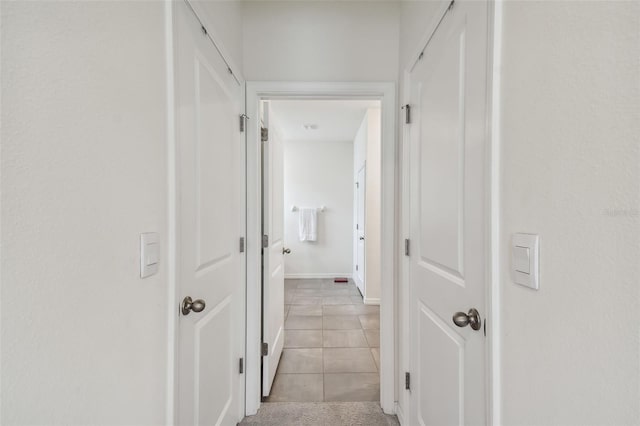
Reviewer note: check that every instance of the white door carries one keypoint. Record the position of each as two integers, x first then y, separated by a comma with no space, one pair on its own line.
272,253
448,250
210,220
360,237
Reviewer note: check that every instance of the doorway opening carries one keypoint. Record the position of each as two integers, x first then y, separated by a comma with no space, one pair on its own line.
321,221
310,165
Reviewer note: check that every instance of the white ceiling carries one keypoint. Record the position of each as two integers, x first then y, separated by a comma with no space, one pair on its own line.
337,120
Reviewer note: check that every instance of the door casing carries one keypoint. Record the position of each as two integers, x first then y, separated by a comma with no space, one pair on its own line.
386,93
492,225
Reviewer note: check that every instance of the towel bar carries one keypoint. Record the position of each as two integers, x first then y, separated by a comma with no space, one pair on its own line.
295,208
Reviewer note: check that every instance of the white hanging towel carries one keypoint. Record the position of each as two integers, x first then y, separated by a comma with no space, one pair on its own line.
308,224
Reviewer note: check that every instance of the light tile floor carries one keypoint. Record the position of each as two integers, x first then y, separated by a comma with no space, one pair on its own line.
331,348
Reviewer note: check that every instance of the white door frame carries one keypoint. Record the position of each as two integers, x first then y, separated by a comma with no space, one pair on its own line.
492,202
386,93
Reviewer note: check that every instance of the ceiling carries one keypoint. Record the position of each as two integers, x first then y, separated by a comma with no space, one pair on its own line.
336,120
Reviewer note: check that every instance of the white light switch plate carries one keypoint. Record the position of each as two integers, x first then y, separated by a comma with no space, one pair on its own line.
525,260
149,254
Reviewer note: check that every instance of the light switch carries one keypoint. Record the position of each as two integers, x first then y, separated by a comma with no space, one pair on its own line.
521,259
149,254
525,252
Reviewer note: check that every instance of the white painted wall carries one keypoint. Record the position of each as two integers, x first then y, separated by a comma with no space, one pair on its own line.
367,148
570,172
315,174
415,17
224,22
84,339
321,40
570,126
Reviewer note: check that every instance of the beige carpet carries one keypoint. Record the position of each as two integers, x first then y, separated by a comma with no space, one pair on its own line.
320,414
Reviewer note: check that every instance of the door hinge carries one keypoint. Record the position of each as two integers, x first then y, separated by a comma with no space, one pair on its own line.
241,244
241,365
407,113
265,241
357,184
406,247
265,349
356,267
357,226
407,381
243,119
264,134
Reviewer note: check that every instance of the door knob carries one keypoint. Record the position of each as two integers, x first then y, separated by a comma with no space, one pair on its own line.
286,251
189,305
361,238
471,318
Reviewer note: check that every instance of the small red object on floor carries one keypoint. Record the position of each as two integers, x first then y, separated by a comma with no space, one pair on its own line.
341,280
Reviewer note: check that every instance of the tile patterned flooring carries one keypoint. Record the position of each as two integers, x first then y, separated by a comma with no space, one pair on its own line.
331,348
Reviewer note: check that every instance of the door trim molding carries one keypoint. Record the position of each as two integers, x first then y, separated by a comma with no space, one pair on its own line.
171,409
386,93
492,225
494,358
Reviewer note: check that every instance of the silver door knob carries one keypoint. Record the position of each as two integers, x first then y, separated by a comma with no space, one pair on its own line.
286,251
361,238
471,318
189,305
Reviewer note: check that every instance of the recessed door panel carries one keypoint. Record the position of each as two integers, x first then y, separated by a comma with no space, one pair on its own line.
214,132
214,379
442,353
441,114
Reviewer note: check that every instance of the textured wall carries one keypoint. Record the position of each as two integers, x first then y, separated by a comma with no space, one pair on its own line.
315,174
570,140
321,40
224,22
83,173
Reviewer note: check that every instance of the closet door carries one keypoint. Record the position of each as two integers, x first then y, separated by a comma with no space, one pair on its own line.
210,205
448,217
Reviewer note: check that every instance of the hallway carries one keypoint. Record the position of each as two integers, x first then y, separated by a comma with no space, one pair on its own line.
331,350
329,370
147,276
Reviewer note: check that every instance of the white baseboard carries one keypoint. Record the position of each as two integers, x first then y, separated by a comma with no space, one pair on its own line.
317,275
400,415
371,301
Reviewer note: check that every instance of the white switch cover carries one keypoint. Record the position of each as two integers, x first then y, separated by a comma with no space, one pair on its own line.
149,254
525,264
